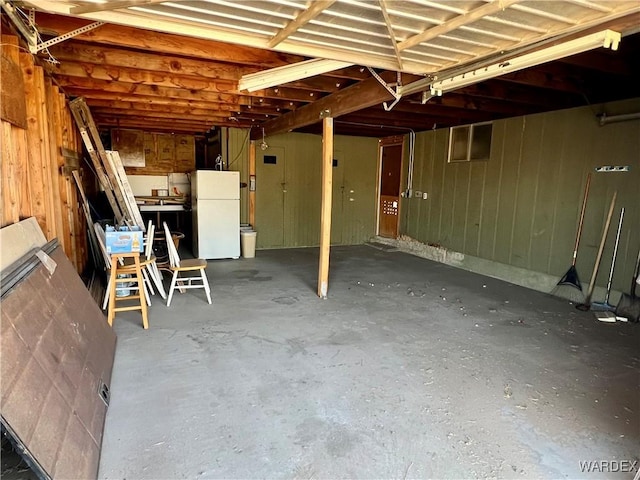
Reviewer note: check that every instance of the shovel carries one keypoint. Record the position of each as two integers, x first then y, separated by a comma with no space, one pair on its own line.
629,304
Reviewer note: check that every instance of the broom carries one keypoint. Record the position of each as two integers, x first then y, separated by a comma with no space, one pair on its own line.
606,306
571,279
586,305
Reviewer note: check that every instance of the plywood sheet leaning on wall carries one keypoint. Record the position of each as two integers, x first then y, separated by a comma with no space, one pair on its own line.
58,353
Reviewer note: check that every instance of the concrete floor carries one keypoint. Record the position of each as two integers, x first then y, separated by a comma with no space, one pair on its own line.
411,369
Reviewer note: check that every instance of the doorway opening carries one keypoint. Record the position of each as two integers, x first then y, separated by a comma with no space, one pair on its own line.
389,181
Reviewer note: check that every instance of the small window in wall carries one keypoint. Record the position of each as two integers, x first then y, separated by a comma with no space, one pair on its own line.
270,159
470,142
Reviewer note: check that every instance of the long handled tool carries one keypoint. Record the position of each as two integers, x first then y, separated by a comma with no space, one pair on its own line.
592,283
570,278
629,304
606,305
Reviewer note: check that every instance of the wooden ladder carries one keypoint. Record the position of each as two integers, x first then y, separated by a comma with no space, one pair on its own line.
126,270
108,167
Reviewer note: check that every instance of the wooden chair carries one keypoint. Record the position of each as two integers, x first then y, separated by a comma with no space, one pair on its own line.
149,262
178,267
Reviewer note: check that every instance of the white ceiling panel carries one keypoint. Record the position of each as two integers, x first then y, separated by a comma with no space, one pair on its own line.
438,34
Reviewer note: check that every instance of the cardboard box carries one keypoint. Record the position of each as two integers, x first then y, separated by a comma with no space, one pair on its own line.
124,239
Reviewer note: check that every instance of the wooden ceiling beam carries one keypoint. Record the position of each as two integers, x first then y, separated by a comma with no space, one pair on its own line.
168,80
162,93
316,8
198,108
117,121
500,90
92,96
319,83
501,107
259,110
256,114
169,127
425,123
406,108
284,93
392,35
540,79
121,66
342,128
380,116
117,57
350,73
104,123
136,76
172,116
271,102
612,62
118,35
472,16
356,97
96,95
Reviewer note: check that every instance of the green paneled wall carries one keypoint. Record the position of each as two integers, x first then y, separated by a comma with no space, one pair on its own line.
235,148
521,207
288,192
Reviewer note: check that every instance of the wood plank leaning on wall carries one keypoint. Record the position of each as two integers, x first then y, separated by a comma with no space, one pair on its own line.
34,180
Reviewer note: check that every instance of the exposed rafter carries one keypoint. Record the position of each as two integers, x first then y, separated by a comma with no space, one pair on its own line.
361,95
457,22
392,35
304,17
170,66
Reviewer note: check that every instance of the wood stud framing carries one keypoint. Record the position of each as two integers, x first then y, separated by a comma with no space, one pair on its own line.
35,181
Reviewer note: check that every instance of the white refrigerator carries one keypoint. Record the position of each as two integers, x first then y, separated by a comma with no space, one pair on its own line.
215,210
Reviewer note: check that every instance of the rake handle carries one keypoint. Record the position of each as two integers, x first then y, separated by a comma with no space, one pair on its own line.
592,282
581,221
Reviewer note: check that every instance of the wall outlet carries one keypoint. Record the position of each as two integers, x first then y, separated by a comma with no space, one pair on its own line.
418,193
424,195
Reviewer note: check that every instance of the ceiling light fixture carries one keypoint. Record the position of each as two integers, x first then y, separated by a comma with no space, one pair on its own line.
605,38
263,145
289,73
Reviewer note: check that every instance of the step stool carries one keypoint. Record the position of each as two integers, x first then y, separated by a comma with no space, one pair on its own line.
127,269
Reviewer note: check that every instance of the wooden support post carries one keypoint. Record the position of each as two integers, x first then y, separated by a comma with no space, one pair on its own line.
252,184
325,215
